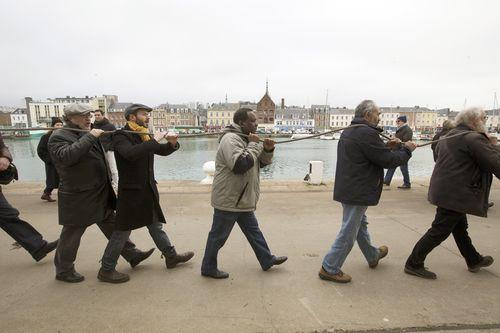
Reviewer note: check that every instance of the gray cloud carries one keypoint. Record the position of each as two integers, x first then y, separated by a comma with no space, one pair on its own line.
434,53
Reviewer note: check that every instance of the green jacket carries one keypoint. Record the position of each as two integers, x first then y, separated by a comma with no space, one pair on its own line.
236,185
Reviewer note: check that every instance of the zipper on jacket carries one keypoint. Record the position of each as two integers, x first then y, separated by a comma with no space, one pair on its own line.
241,195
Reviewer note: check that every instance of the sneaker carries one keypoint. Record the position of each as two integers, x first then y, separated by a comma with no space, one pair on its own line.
404,187
112,276
420,272
382,252
340,277
485,262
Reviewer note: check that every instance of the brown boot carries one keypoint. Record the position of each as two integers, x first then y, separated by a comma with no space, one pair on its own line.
172,259
382,252
112,276
340,277
47,197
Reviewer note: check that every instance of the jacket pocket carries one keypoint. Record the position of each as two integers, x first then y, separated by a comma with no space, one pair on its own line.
241,194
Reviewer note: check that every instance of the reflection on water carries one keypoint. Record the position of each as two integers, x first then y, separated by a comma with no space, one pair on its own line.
290,160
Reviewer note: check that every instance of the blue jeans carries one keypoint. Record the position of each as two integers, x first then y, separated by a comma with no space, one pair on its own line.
404,171
223,222
354,227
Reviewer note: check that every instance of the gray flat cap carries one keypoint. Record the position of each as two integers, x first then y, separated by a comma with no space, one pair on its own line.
77,109
134,107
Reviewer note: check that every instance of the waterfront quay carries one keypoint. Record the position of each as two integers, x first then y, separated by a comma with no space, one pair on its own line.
298,220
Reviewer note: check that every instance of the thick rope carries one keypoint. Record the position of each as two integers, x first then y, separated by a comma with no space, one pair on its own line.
446,137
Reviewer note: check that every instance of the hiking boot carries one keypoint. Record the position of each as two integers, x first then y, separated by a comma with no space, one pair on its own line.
141,256
216,275
382,252
404,187
485,262
277,261
172,259
47,248
71,277
112,276
47,197
420,272
340,277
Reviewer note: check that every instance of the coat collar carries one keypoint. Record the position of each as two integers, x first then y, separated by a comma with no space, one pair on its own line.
359,120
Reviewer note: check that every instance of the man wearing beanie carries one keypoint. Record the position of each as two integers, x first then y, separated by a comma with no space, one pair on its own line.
403,133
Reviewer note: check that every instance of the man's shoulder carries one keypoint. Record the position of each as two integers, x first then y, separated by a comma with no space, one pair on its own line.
62,134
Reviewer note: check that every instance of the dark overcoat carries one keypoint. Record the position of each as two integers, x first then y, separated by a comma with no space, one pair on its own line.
362,157
404,133
85,192
138,196
51,175
462,176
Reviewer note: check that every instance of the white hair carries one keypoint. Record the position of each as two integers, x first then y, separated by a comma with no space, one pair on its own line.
366,106
472,117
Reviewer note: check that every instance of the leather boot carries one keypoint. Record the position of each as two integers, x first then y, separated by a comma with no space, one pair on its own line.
112,276
173,258
47,197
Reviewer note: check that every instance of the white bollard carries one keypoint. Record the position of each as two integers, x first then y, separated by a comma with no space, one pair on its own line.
209,170
315,172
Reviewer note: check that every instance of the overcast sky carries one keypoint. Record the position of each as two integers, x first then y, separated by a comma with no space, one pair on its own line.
427,53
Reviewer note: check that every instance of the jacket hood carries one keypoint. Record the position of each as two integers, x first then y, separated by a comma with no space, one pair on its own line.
232,128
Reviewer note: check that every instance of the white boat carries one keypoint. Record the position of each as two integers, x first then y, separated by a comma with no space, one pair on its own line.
37,133
300,136
326,137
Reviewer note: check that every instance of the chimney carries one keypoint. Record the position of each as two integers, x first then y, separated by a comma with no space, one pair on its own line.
282,103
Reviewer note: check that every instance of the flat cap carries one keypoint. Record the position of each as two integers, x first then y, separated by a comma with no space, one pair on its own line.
76,109
134,107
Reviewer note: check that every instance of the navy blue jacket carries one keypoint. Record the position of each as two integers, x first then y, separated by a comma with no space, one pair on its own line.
362,157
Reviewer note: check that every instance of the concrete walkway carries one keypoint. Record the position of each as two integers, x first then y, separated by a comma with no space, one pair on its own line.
298,221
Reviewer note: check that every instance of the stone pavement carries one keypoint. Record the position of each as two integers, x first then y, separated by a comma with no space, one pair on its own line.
299,221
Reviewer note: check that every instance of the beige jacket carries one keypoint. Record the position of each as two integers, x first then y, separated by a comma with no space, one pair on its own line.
237,192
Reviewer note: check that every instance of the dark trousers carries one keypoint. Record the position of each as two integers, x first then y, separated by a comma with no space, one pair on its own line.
445,223
22,232
51,178
404,170
223,222
69,241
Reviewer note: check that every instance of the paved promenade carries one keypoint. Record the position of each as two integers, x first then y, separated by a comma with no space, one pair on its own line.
299,221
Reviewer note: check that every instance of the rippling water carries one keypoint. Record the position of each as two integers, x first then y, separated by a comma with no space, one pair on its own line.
291,160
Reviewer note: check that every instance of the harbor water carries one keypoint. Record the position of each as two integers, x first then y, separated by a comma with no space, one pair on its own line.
291,160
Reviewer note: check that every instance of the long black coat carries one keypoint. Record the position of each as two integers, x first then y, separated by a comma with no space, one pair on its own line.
138,195
362,157
462,176
85,191
52,177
